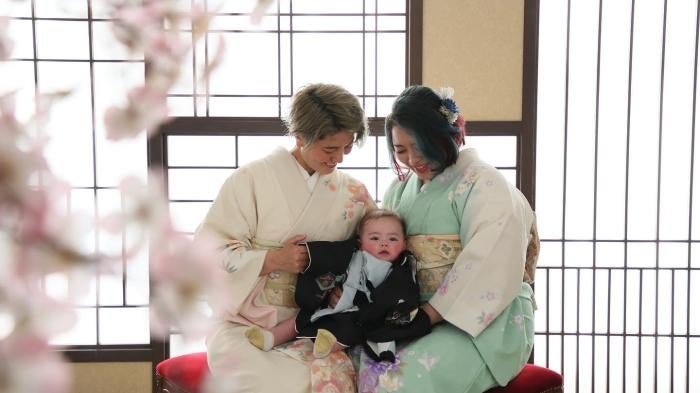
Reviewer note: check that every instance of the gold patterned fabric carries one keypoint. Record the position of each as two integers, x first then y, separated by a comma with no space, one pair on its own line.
279,286
279,289
435,256
533,251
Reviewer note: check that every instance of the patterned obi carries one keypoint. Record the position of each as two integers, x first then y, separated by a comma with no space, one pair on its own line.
435,256
279,286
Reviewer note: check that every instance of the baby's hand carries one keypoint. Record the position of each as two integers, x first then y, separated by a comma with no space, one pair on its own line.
335,295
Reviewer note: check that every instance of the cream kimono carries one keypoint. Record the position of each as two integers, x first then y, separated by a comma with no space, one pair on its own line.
260,206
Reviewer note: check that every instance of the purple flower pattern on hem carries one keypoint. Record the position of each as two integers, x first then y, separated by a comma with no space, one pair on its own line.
369,377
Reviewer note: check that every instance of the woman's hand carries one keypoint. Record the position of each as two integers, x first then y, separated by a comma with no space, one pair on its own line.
335,295
292,257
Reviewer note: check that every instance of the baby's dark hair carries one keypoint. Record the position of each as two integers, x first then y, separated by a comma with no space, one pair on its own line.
377,214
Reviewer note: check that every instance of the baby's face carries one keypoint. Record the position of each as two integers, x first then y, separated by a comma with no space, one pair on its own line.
383,238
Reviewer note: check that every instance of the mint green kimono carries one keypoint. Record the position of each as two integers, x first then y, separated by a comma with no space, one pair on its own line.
470,230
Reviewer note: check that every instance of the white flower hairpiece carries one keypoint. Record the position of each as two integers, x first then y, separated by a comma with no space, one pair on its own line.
449,107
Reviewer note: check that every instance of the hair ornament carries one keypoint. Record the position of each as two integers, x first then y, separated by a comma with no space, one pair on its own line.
449,107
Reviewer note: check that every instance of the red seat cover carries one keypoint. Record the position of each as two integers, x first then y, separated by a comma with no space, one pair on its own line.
532,379
189,371
186,371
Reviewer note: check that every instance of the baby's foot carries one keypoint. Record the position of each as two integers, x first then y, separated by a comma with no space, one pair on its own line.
387,356
324,344
260,338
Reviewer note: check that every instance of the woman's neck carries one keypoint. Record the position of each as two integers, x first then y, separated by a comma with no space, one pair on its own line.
296,153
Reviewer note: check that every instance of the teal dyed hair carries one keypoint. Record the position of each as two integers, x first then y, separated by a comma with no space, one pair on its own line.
416,109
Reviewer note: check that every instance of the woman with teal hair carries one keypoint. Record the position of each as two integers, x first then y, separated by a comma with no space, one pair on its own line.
472,232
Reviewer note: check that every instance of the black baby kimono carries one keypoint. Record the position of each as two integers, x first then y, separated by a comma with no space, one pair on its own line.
388,312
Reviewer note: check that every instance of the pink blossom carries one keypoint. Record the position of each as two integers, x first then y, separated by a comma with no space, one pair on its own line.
6,43
29,365
145,203
185,275
20,156
141,28
166,53
16,168
145,110
9,125
38,237
31,310
260,7
182,269
27,362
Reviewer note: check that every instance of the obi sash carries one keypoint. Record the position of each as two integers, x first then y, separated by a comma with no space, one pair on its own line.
279,286
435,255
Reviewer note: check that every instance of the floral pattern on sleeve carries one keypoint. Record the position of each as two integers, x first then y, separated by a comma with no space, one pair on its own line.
330,185
359,200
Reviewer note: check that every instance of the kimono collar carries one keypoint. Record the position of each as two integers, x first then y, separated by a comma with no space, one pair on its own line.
466,158
311,180
374,269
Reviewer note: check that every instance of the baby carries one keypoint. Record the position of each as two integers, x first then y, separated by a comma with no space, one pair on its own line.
380,298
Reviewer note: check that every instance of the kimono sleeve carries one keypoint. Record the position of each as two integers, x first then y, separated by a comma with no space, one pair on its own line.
231,224
331,257
495,222
327,266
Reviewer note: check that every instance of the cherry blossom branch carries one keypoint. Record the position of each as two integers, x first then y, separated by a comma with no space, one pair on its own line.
38,237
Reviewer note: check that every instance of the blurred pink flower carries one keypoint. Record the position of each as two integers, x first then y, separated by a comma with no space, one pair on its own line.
33,312
145,204
166,52
20,156
136,23
27,362
38,236
9,125
153,28
29,365
49,238
16,168
182,270
260,7
144,213
185,277
145,110
6,43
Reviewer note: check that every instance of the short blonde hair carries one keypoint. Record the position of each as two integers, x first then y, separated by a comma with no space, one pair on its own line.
320,110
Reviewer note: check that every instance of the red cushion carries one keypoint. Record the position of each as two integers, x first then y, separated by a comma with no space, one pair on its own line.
533,379
186,371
